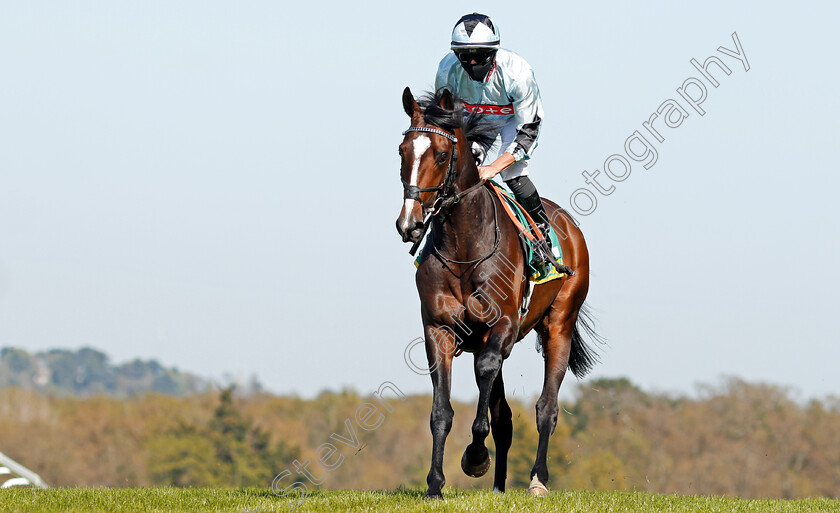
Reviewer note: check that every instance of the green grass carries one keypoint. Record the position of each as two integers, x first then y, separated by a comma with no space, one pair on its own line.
197,500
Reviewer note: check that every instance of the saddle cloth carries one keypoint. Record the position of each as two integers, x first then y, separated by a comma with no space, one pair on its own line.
528,235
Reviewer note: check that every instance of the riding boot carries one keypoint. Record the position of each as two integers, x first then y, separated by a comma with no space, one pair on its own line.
526,194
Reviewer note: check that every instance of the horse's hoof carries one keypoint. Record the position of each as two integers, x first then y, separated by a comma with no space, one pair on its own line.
475,470
537,489
430,496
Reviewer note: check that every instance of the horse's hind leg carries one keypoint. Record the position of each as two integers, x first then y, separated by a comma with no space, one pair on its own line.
501,426
556,334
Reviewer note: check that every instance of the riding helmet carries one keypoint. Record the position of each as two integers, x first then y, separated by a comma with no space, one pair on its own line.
475,38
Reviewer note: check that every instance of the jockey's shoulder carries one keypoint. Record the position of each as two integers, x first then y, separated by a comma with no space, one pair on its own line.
449,60
511,61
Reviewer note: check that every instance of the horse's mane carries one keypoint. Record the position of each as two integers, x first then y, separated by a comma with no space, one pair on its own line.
475,129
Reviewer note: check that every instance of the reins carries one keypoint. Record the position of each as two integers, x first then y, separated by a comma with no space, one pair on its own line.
497,238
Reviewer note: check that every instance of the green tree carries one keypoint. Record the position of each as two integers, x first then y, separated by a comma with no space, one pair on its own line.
183,457
227,451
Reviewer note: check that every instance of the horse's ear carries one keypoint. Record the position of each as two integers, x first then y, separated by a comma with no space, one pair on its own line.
447,102
410,104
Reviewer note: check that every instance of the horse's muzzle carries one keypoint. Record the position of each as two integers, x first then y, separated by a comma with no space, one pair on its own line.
410,233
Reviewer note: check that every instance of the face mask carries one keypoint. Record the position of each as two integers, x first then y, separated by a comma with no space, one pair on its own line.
483,63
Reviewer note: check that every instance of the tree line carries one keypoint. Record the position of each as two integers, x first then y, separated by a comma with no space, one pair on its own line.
737,438
87,372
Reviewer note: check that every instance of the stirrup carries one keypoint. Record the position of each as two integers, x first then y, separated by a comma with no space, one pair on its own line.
542,246
544,253
542,250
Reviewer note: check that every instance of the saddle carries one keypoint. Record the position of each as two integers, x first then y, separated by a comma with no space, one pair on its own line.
529,235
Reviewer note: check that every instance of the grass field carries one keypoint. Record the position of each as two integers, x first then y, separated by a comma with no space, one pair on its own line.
198,500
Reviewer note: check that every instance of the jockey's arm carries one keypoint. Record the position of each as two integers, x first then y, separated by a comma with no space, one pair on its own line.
525,95
504,161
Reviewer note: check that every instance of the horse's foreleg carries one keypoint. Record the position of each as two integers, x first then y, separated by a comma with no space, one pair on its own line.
440,364
501,425
488,363
556,338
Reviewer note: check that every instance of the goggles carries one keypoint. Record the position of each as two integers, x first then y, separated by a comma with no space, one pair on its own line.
480,56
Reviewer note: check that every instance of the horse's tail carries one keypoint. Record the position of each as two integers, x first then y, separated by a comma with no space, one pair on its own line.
582,356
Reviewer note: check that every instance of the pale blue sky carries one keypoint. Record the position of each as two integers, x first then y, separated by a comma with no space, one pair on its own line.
153,156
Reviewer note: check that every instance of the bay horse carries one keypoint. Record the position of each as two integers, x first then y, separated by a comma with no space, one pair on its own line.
471,281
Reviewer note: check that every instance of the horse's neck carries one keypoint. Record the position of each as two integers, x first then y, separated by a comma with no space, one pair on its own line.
470,224
467,172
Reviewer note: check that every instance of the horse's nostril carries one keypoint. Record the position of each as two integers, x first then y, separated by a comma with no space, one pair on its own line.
416,232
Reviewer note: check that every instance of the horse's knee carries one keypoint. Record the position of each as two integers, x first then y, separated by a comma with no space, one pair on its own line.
488,366
441,420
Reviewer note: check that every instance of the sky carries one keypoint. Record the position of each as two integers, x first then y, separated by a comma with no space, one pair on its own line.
214,185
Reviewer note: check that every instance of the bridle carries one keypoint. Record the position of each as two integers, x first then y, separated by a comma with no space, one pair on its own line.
413,192
446,197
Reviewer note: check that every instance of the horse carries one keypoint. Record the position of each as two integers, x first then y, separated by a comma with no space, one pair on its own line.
471,284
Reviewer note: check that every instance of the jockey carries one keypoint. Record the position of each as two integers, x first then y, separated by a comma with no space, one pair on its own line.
500,85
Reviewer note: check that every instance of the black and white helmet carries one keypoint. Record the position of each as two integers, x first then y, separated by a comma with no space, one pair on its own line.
475,40
475,31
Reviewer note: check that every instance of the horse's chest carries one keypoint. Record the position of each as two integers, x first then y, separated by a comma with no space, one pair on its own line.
472,312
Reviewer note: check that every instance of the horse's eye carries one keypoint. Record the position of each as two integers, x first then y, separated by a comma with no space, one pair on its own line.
442,157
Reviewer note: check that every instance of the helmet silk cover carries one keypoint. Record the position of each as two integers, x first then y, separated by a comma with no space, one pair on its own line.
476,33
